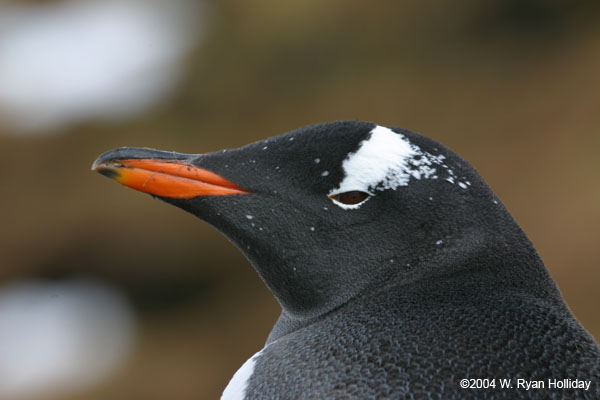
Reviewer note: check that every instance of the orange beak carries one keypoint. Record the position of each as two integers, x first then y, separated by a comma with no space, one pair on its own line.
166,178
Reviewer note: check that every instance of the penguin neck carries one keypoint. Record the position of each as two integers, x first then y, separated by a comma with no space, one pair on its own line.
500,259
495,253
304,295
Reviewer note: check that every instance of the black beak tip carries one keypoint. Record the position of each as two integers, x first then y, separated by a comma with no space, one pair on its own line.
104,159
107,171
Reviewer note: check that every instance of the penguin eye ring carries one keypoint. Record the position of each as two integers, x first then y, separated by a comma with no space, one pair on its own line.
351,199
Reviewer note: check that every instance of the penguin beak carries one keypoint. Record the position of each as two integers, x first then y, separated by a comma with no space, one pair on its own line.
162,173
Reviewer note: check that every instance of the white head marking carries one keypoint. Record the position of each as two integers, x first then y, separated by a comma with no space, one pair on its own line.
386,160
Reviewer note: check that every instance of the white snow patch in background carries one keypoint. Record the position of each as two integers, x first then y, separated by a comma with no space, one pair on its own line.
65,62
57,337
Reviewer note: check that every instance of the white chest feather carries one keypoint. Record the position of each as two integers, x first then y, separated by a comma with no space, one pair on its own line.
236,389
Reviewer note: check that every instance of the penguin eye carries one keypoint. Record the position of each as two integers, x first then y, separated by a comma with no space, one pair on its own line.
352,198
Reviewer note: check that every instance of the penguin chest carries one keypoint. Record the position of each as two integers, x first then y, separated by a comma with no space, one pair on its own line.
236,389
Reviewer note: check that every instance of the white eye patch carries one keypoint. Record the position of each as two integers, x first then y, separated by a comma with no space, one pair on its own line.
384,161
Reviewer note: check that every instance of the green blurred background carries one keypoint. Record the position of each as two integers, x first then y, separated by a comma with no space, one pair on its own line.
512,86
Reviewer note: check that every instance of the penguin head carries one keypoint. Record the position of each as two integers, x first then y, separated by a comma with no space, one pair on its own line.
324,212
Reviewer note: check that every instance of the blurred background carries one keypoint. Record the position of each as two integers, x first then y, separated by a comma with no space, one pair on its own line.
107,293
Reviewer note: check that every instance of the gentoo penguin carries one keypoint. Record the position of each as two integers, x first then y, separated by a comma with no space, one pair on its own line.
400,274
